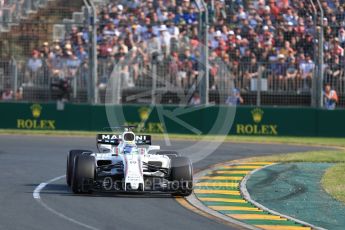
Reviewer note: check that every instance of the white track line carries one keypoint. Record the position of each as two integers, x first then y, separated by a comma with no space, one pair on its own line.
37,197
40,187
246,195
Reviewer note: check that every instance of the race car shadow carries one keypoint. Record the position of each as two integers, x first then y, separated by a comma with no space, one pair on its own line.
64,190
125,195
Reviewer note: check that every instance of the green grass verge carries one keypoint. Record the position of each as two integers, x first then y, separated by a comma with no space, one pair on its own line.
333,181
340,142
321,141
329,156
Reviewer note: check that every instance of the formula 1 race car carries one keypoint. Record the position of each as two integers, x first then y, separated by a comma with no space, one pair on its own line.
128,163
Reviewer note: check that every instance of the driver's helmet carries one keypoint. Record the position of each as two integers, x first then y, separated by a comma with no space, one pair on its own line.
129,149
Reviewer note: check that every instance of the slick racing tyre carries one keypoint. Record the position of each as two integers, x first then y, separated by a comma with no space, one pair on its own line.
181,176
83,174
70,162
170,154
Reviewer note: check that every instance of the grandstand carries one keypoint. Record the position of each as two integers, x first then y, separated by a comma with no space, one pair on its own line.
267,51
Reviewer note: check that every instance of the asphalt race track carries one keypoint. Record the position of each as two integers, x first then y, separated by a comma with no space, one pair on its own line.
26,162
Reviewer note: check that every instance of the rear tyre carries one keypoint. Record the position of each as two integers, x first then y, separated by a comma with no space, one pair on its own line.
170,154
181,175
70,162
83,174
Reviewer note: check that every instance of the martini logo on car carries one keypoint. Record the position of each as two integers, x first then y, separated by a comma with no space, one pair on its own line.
110,137
35,122
257,128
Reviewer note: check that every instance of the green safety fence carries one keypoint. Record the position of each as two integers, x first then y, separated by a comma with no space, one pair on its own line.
201,120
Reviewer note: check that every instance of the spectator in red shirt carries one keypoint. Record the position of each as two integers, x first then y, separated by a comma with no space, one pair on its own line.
337,49
274,8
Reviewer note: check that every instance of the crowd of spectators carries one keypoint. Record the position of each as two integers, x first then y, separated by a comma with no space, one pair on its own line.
8,95
275,38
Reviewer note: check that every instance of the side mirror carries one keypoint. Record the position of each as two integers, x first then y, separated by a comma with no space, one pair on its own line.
102,148
154,147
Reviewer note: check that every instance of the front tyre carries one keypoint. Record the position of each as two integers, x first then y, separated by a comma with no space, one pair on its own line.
181,176
83,174
70,162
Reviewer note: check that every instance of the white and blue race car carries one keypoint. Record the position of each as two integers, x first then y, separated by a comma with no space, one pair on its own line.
128,163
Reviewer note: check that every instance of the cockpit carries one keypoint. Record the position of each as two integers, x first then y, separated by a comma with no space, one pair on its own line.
128,137
130,149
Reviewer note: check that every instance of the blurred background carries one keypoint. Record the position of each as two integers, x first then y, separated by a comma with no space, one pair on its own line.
237,52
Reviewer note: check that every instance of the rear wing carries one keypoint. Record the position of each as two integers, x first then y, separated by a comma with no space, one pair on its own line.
143,139
114,139
108,139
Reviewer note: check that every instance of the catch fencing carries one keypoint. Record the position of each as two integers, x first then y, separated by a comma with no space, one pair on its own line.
50,52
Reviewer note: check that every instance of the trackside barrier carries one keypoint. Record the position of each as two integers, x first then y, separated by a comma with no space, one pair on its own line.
263,121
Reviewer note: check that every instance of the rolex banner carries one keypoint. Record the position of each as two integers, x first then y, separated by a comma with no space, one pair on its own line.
216,120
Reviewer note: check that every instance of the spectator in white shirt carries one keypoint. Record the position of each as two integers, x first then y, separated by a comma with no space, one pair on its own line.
195,99
34,65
